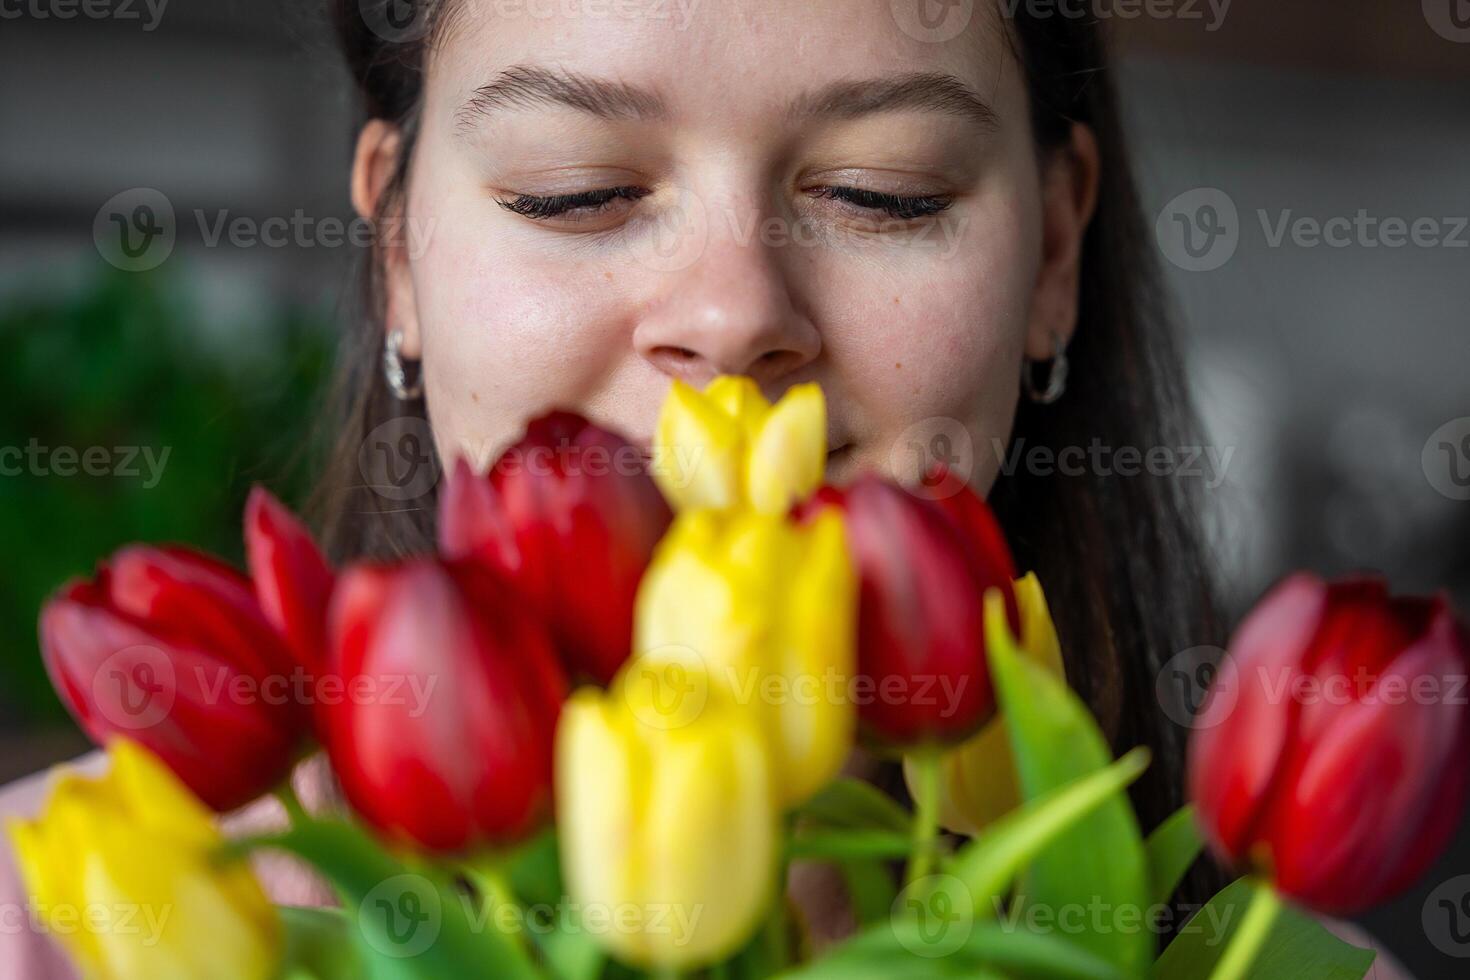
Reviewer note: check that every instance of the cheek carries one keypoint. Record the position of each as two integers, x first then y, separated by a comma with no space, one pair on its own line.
507,332
937,338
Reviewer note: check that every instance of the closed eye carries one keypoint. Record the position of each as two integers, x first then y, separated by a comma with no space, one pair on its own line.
581,204
894,205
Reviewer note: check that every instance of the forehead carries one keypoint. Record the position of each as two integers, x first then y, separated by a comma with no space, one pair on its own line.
736,57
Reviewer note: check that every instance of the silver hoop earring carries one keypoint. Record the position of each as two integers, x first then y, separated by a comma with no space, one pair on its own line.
1056,379
395,373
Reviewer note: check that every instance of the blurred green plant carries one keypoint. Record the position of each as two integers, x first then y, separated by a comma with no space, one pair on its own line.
128,371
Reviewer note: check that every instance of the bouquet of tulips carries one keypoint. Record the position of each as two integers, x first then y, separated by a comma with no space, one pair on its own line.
589,737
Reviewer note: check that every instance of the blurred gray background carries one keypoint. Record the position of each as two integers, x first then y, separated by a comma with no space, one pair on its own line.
1334,369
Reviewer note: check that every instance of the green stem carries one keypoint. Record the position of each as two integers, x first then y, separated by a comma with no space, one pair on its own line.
777,933
294,809
1251,935
926,813
495,891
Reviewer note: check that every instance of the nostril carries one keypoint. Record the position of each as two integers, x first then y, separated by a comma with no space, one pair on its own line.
683,354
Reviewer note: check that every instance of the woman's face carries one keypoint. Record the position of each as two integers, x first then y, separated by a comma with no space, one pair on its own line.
606,196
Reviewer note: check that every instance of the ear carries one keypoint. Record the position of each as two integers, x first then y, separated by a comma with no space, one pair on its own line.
373,165
1069,182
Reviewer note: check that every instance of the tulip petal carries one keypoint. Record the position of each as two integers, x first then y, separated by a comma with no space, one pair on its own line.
666,817
697,451
739,398
816,656
1242,729
472,520
447,739
788,455
712,859
293,582
134,848
1374,798
767,608
195,600
1038,631
206,716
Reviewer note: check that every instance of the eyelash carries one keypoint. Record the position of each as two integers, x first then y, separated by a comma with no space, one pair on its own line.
541,208
894,205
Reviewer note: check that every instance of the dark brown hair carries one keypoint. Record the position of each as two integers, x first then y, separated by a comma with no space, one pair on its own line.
1120,557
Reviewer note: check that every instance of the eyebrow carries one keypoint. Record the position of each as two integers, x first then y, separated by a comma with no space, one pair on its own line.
526,86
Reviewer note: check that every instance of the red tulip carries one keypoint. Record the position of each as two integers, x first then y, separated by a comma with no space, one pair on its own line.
169,647
570,515
925,567
292,580
443,732
1328,754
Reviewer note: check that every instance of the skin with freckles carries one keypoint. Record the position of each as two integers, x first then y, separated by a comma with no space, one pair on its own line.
797,192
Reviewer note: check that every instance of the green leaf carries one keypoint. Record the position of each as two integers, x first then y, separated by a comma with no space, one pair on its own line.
1170,850
570,953
908,948
986,866
853,803
407,923
319,944
534,870
1297,947
821,844
871,888
1056,741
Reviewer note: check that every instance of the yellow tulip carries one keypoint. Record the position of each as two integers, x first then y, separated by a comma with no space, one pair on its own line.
124,871
729,447
767,608
667,825
978,780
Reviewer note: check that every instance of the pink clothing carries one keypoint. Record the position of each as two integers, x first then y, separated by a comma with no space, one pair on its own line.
26,951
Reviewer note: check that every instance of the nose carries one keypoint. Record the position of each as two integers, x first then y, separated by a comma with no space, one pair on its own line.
729,311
